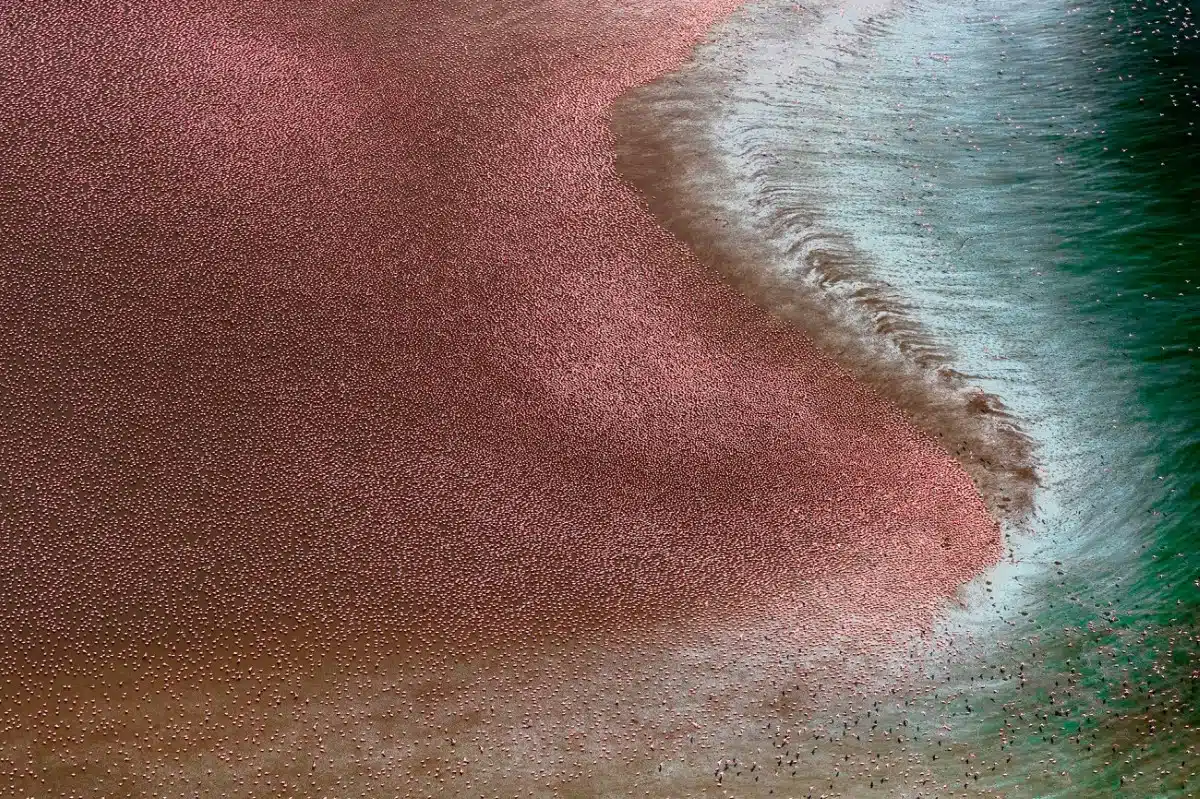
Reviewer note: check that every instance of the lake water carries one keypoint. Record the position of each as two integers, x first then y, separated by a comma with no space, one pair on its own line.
1014,180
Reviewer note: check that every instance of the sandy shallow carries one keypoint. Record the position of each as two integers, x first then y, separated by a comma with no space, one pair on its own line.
341,364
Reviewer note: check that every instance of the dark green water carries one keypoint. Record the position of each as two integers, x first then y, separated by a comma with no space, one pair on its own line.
1146,174
1152,316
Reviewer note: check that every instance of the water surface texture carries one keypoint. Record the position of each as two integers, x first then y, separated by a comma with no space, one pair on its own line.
1001,194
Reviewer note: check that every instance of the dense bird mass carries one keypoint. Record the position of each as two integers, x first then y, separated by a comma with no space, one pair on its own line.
365,434
330,330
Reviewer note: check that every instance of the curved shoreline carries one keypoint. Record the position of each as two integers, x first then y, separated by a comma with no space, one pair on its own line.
668,148
311,443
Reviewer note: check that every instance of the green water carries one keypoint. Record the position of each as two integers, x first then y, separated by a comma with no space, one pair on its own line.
1111,648
1023,174
1151,312
1149,317
1020,176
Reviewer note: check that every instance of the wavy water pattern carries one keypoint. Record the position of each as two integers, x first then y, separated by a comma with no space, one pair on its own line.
982,206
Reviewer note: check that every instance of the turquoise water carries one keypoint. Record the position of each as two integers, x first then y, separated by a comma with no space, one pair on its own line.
1020,178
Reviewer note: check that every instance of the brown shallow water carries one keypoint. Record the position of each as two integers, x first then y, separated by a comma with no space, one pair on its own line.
337,355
